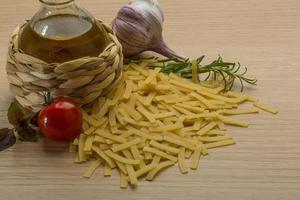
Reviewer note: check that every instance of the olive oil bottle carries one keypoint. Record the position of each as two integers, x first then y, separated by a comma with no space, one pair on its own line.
61,31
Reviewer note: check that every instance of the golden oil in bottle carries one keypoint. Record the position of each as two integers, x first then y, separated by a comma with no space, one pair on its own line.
60,38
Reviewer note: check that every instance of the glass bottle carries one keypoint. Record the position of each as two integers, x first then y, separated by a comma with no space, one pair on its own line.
61,31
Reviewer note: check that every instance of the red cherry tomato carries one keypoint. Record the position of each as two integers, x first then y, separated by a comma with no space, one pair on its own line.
61,121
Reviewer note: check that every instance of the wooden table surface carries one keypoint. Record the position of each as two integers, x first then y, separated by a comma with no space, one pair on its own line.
264,165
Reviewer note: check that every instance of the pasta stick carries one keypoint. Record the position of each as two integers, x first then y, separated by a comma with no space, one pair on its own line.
126,145
214,139
128,89
163,115
231,121
109,161
121,167
188,153
92,168
219,144
158,168
156,160
265,108
149,98
159,153
221,125
179,142
197,125
181,161
144,170
152,75
238,111
123,181
131,174
89,143
132,112
82,157
146,113
112,117
106,134
207,128
164,147
107,170
90,130
195,158
121,158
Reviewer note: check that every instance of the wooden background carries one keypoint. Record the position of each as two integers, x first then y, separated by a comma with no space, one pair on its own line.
264,165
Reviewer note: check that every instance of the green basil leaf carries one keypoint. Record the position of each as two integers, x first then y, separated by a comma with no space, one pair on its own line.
16,114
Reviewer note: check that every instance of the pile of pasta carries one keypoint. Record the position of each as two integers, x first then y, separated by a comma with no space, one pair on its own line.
152,121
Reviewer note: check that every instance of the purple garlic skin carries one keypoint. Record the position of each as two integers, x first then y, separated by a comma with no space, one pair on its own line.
131,35
138,27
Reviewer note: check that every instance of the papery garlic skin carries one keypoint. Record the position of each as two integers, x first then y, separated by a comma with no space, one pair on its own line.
151,11
129,28
138,26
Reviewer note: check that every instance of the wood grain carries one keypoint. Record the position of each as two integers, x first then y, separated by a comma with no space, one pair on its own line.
265,163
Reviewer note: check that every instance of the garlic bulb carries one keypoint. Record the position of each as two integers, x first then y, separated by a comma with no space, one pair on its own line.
138,27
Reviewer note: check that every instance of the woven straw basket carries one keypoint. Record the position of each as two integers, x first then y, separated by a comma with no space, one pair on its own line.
83,80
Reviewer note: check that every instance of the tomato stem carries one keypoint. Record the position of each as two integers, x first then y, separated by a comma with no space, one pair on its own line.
47,98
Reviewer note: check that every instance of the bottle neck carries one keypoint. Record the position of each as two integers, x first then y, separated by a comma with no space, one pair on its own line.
56,2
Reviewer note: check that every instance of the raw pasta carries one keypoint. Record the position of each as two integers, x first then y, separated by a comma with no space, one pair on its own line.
151,121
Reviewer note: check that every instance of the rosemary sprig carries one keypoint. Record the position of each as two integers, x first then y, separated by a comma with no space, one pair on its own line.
229,72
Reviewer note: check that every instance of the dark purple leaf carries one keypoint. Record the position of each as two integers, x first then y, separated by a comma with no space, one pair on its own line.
7,138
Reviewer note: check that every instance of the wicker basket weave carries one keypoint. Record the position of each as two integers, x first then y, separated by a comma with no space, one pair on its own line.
84,79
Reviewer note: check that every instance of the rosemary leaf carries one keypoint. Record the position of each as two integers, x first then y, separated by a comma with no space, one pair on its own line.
229,72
